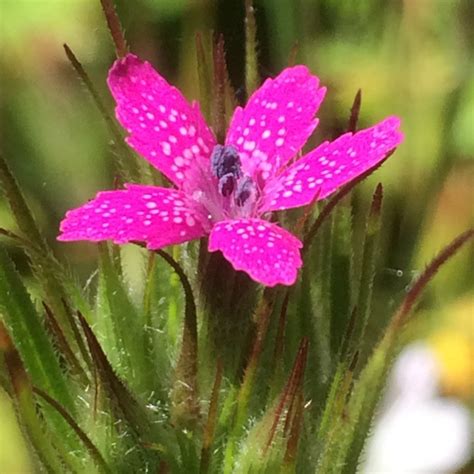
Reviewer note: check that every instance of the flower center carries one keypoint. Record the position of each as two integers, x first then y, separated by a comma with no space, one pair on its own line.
226,167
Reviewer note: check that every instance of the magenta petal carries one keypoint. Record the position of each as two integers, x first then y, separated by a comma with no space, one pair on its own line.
268,253
276,122
331,165
163,126
156,216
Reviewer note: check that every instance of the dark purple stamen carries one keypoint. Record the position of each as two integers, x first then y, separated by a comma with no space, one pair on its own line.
227,184
225,160
244,191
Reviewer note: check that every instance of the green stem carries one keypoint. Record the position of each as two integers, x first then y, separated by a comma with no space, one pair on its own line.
263,318
251,64
369,258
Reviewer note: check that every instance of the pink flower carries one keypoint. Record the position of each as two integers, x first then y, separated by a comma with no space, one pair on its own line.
226,191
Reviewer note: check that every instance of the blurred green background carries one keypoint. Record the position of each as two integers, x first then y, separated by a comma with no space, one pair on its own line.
413,58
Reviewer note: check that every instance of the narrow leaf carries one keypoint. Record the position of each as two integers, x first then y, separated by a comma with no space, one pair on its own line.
115,28
220,79
262,318
204,75
55,282
118,393
289,392
126,168
369,257
209,429
29,335
355,110
251,61
91,448
430,271
64,347
345,441
185,395
26,405
334,201
125,321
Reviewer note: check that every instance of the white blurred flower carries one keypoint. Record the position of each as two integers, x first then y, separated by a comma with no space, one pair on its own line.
418,431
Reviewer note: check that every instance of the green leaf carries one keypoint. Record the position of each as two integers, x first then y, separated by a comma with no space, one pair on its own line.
29,334
185,394
346,437
51,452
204,75
56,284
369,257
127,338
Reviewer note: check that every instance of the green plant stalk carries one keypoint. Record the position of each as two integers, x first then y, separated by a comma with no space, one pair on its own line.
324,312
290,390
369,258
277,368
219,95
251,62
341,282
290,458
210,427
185,394
263,313
363,402
359,411
227,302
125,322
173,320
329,415
147,294
204,77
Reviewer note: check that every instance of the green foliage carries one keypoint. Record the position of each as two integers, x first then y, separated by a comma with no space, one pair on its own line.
257,422
180,364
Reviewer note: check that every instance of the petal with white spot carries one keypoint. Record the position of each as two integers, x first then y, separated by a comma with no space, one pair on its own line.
331,165
276,122
269,254
164,128
149,214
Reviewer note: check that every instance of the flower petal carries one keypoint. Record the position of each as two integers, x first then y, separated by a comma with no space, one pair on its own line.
164,128
331,165
268,253
276,122
157,216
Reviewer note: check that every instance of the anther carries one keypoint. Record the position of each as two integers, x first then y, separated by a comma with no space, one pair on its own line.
244,190
225,160
226,184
